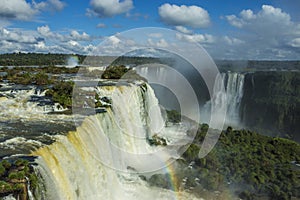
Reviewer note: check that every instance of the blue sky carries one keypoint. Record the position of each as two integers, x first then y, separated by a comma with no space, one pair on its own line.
232,29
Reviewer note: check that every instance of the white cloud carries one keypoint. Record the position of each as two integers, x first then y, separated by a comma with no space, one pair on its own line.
70,42
73,43
49,5
17,36
295,43
193,16
56,5
16,9
77,36
109,8
44,40
74,35
25,11
235,21
114,40
247,14
116,45
183,29
45,31
161,43
199,38
268,17
232,41
40,45
14,40
269,33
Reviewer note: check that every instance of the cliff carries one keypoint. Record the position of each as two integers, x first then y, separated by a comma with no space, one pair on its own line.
271,103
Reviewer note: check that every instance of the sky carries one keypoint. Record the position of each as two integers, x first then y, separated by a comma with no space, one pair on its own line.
231,29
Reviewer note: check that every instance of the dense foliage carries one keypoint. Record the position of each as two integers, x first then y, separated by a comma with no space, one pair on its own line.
173,116
266,165
14,178
61,93
120,72
115,72
34,75
38,59
256,166
134,60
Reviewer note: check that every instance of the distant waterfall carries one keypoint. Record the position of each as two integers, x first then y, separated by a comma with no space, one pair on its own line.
98,161
234,91
234,87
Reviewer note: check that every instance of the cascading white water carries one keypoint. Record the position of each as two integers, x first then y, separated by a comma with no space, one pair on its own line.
17,104
29,193
98,161
234,93
231,99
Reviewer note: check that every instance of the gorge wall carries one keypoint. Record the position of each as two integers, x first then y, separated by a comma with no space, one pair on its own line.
271,103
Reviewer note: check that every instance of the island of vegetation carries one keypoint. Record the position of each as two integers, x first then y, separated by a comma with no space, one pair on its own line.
16,178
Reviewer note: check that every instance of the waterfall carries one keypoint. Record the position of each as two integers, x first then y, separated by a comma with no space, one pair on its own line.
26,103
234,87
101,158
29,193
234,93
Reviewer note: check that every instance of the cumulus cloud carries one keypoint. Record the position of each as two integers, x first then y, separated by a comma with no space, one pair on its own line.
114,40
161,43
268,33
45,31
73,35
44,40
193,16
235,21
267,20
16,9
183,29
24,11
115,45
49,5
199,38
18,36
109,8
295,43
232,40
13,40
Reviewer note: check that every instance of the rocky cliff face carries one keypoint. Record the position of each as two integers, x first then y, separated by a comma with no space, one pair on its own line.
271,102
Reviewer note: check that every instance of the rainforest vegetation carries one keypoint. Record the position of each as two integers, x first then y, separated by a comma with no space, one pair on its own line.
254,166
36,59
15,177
40,59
